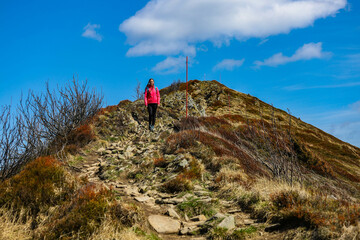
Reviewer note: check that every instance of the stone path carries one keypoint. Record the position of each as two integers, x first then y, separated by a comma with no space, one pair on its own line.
160,208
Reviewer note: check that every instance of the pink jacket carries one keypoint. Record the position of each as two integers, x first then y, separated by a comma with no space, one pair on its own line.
152,96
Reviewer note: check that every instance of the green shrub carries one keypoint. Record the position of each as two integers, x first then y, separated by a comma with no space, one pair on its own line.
194,206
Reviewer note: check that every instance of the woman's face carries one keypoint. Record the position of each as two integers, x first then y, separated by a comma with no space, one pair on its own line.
151,82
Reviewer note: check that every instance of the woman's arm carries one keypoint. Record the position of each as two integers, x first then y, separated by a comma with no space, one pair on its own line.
145,98
158,95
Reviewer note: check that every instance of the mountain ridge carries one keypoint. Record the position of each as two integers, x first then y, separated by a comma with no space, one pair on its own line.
253,173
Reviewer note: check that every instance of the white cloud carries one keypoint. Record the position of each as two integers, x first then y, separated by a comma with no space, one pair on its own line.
356,107
306,52
228,64
172,27
90,32
170,65
342,85
263,41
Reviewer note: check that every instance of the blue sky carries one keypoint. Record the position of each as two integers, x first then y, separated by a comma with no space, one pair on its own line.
298,54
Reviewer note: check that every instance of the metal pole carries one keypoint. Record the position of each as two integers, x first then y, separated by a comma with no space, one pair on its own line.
187,59
228,100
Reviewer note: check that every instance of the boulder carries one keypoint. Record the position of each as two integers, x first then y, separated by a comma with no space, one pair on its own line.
163,224
198,218
228,223
172,213
142,198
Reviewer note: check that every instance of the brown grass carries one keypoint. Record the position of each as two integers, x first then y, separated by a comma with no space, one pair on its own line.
14,228
221,147
83,214
179,184
43,183
160,162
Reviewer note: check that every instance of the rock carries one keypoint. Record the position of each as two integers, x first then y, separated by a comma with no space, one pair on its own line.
227,203
184,163
193,224
248,221
205,200
228,223
93,169
273,227
172,213
100,150
163,224
132,191
142,189
128,155
188,196
165,195
142,199
169,201
189,230
184,231
217,216
201,193
234,211
179,157
198,218
96,164
186,217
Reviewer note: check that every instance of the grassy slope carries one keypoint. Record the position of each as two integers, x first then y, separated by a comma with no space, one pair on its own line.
339,160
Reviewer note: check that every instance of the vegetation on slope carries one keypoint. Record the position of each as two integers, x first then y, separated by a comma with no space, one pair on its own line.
269,163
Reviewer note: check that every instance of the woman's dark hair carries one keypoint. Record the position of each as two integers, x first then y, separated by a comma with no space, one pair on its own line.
149,82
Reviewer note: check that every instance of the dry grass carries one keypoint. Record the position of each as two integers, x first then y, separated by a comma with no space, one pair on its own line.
178,184
14,228
108,231
295,206
231,175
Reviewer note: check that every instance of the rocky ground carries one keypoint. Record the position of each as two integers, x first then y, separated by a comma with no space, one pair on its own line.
115,166
127,158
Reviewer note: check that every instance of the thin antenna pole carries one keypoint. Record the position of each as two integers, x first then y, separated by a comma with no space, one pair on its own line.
187,60
228,100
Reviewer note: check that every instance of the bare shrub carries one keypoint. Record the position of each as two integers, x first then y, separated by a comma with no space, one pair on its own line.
42,123
272,146
139,94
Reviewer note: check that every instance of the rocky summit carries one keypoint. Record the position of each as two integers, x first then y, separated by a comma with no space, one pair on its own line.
235,168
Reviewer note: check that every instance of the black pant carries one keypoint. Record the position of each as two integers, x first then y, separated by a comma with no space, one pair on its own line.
152,113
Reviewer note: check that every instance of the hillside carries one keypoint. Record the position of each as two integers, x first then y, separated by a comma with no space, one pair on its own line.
236,168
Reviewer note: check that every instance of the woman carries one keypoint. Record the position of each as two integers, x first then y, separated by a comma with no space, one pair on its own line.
152,100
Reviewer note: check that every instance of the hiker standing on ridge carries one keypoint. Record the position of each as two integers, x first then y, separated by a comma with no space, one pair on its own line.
152,100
